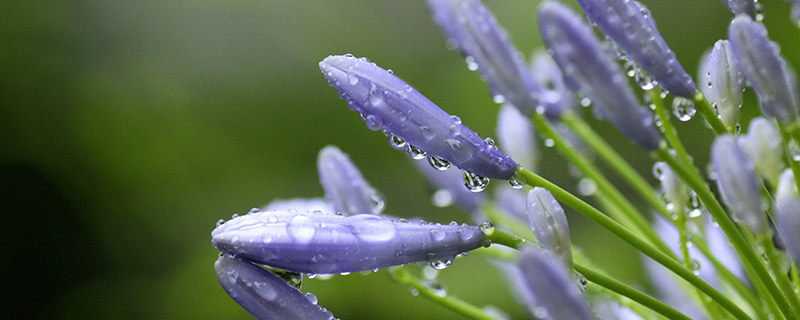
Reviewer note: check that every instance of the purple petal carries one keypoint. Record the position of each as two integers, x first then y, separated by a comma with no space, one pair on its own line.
632,28
263,294
788,216
344,185
722,83
738,183
512,201
548,222
759,60
554,291
589,69
738,7
326,243
516,136
300,204
549,77
450,183
762,143
388,103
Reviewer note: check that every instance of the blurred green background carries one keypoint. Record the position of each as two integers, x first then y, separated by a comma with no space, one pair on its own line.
128,128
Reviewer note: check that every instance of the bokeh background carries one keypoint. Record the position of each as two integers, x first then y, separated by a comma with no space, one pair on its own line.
128,128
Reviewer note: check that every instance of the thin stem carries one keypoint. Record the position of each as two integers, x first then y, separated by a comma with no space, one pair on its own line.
501,237
669,131
403,277
598,217
780,276
500,218
743,248
627,291
708,112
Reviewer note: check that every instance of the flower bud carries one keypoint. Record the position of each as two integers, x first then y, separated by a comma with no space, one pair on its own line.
548,222
787,187
332,243
759,60
788,216
344,185
722,83
738,7
263,294
590,70
449,188
516,136
388,103
555,293
762,143
549,77
738,183
633,30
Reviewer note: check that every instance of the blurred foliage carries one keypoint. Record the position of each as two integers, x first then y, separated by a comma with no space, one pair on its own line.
128,128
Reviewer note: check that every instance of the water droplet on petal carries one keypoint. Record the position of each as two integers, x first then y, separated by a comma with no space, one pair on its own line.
220,222
301,229
683,108
474,182
516,184
437,234
441,264
396,142
311,297
415,153
438,163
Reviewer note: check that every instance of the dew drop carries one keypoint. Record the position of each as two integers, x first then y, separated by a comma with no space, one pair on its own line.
396,142
549,143
644,80
414,291
442,198
373,229
415,153
658,170
301,229
436,286
487,227
378,203
438,163
683,108
760,11
465,233
586,102
234,216
373,122
490,142
441,264
474,182
311,298
311,275
630,68
587,187
437,234
499,98
272,218
220,222
254,211
352,78
471,64
516,184
695,267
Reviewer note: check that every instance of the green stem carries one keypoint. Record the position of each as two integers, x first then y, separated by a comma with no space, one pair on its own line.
708,112
780,276
743,248
669,131
793,164
615,228
403,277
501,237
500,218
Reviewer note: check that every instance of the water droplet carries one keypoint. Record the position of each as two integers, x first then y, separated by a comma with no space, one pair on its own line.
487,227
694,213
390,71
683,108
658,170
499,98
585,102
471,64
311,275
490,142
373,229
474,182
378,203
644,80
441,264
465,233
455,120
220,222
436,286
630,68
415,153
311,297
587,187
234,216
438,163
437,234
373,122
760,11
352,78
442,198
272,218
427,132
695,267
516,184
414,291
301,229
254,211
344,273
549,143
395,141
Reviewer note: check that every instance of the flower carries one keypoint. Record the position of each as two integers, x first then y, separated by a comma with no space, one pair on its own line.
747,7
549,224
762,143
555,293
516,136
723,81
344,185
449,186
738,183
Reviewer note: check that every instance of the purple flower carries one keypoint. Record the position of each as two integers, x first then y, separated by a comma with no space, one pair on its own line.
300,204
632,28
263,294
738,7
787,188
516,136
549,224
549,77
555,293
788,216
738,183
589,70
316,242
722,82
344,185
449,186
388,103
759,60
474,31
762,143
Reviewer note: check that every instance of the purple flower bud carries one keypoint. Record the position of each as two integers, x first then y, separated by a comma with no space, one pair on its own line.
611,309
263,294
549,224
329,243
738,7
449,185
549,77
738,183
788,216
513,277
388,103
670,291
554,291
759,60
516,136
344,185
669,233
589,69
473,29
512,201
762,143
787,188
723,250
632,28
722,83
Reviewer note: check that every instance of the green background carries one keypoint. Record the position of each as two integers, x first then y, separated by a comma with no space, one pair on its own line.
128,128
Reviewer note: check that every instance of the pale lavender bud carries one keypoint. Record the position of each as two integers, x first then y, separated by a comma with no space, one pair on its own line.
610,309
669,233
300,204
590,70
675,190
516,136
513,277
787,187
747,7
759,60
388,103
332,243
632,28
722,249
788,216
548,222
263,294
555,293
762,143
474,30
344,185
738,183
449,188
512,201
549,77
669,290
722,82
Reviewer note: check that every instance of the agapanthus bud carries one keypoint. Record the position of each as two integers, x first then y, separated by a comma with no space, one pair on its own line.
787,187
722,249
300,204
762,143
590,70
516,282
550,79
449,185
332,243
388,103
263,294
759,60
668,232
512,201
788,216
548,222
633,30
672,185
554,291
344,185
474,31
738,183
516,136
668,289
722,83
611,309
747,7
